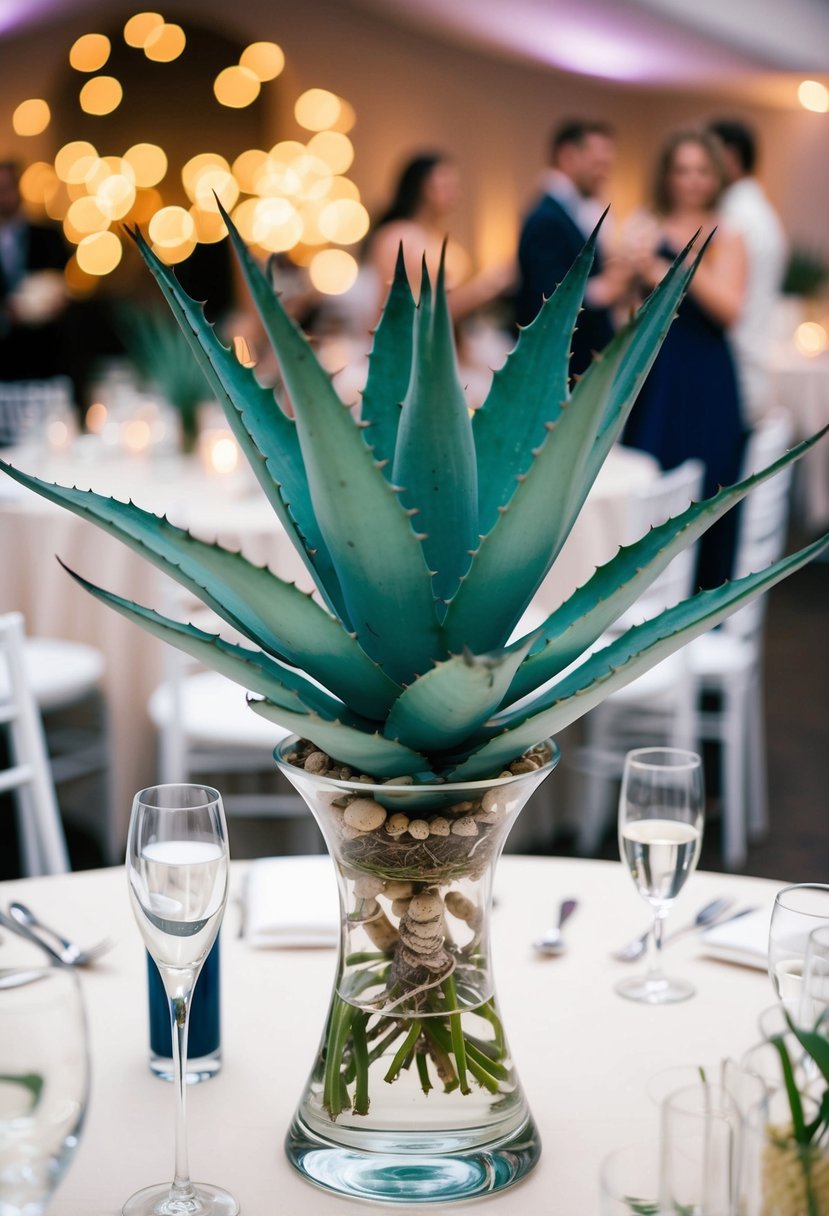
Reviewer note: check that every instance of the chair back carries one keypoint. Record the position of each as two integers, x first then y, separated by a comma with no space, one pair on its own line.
26,405
670,495
27,773
761,537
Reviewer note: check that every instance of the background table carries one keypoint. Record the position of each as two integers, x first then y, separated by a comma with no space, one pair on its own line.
584,1054
230,510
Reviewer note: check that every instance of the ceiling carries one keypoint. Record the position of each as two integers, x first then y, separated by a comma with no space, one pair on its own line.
691,43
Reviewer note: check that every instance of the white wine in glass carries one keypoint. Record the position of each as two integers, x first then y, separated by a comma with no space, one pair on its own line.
661,808
177,864
797,911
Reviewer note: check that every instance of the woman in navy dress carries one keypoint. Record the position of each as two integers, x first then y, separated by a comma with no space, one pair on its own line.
689,405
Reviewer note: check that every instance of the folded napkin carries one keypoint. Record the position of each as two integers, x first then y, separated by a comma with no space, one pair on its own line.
744,941
291,901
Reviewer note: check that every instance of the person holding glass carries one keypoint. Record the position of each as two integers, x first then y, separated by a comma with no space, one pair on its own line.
689,405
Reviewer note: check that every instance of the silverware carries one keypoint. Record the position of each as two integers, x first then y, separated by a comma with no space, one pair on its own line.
551,941
24,922
709,915
11,977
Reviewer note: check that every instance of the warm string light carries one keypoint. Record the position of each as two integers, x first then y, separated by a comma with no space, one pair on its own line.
293,199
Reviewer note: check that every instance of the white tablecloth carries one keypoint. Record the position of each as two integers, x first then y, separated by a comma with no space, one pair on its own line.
232,511
800,385
584,1054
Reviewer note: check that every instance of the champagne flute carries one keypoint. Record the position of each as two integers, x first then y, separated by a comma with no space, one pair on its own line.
798,909
814,1000
661,807
177,865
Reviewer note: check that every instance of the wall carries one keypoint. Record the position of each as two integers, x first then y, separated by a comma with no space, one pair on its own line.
411,91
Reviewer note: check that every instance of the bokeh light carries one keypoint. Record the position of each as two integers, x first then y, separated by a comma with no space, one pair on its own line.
139,28
236,87
173,254
101,95
333,271
90,52
204,162
31,117
814,96
346,118
216,182
810,338
210,227
147,202
317,109
344,221
85,215
276,225
74,160
265,59
37,182
247,167
99,253
165,43
334,148
148,162
171,227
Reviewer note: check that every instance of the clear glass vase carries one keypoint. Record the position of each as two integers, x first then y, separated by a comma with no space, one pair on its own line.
413,1096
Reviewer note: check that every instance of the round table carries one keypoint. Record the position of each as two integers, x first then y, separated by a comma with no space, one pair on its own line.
584,1054
230,510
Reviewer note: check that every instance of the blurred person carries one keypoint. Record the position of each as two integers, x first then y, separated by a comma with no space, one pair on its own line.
689,405
582,155
426,195
32,289
746,209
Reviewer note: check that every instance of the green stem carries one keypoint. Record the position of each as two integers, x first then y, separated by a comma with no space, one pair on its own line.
360,1056
402,1052
456,1031
341,1015
423,1071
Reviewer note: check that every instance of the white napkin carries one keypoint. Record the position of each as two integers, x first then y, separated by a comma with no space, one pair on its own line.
744,941
292,901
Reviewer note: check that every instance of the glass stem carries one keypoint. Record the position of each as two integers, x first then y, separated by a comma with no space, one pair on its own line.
182,1187
656,937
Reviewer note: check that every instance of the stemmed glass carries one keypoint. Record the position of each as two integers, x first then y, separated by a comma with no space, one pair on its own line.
814,1002
661,808
797,910
177,865
44,1084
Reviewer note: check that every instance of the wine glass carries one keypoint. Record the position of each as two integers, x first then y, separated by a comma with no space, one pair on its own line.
177,865
814,1001
797,910
44,1084
661,807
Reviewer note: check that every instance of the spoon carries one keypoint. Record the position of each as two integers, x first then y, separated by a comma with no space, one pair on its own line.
551,941
66,951
634,949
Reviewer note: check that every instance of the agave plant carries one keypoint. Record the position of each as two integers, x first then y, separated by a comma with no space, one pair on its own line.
427,533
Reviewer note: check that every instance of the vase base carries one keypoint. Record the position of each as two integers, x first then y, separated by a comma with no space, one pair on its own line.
409,1178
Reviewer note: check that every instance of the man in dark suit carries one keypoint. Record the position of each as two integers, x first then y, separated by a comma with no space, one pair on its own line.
581,159
32,296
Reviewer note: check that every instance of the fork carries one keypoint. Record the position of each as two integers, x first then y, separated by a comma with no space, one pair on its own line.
708,915
24,922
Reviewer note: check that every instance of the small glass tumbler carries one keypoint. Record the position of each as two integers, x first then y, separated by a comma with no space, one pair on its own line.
700,1138
204,1042
629,1181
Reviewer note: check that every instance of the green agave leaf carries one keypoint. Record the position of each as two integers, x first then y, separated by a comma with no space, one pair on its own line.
815,1043
367,753
249,668
451,701
573,628
274,614
265,434
528,392
618,664
389,367
378,557
516,555
628,358
434,461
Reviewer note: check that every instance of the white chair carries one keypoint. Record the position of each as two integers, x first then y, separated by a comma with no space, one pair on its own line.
42,842
25,406
204,725
727,662
658,708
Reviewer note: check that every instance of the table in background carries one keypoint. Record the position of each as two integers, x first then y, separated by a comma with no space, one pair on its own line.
230,510
584,1054
800,385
